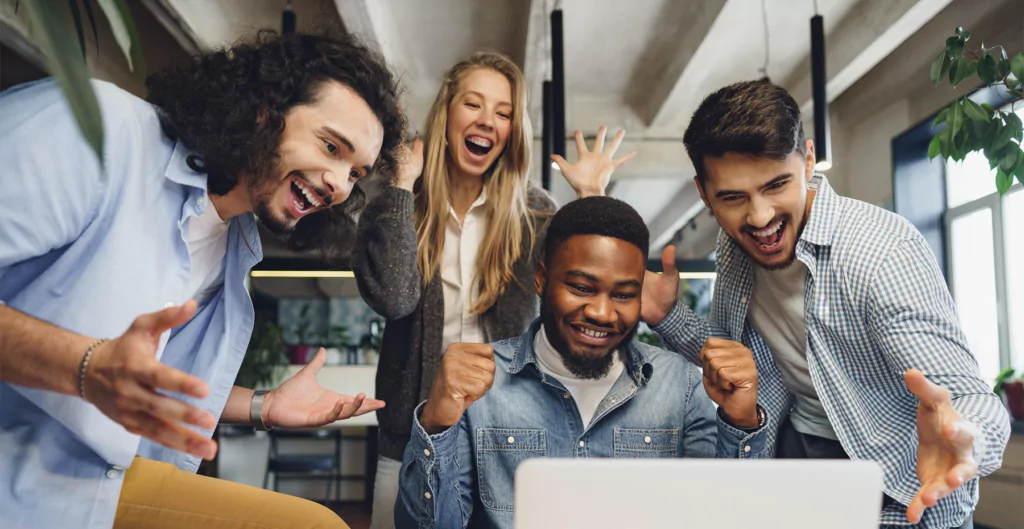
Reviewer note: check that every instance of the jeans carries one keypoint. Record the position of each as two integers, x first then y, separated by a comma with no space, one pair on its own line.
385,493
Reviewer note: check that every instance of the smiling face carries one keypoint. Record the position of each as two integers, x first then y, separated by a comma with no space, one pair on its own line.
761,203
326,147
479,121
590,300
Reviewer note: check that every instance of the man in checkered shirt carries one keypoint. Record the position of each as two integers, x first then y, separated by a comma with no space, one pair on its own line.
855,335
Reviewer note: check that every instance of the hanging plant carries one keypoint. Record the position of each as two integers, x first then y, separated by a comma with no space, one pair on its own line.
972,127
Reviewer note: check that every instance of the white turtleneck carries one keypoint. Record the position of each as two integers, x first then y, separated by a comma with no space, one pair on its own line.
588,394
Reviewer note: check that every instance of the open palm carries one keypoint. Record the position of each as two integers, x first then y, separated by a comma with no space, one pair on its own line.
301,402
590,175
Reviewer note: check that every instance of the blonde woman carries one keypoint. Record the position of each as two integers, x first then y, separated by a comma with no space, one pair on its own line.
452,260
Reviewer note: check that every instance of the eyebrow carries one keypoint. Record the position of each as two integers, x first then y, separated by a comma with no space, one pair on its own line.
344,140
481,96
591,277
777,179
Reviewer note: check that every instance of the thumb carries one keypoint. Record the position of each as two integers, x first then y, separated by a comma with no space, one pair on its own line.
562,164
668,260
928,393
318,361
155,323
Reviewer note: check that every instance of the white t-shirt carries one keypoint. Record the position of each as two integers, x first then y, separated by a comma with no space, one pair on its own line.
458,271
587,393
777,313
206,236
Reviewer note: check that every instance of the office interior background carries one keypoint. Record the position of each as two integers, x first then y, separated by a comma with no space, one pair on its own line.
643,66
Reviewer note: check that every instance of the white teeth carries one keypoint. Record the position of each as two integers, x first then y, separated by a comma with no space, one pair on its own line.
311,196
594,334
483,142
768,231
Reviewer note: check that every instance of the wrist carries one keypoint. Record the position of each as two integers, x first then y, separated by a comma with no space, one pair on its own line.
428,424
589,192
747,419
268,402
259,409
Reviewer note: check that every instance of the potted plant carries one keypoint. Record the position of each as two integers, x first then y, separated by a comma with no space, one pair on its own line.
338,344
1010,387
306,338
264,365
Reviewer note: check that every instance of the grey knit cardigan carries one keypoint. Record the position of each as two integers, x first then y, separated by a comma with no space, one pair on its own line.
384,262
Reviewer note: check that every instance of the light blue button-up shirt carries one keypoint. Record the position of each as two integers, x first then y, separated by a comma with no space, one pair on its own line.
89,249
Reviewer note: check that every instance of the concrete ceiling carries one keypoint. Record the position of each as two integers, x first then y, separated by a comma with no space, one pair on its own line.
642,65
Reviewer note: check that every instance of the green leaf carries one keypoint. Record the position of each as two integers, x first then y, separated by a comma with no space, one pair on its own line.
92,23
940,118
63,62
1002,68
76,14
944,143
124,31
1004,137
934,147
1010,158
1013,121
1003,181
1019,173
975,112
972,68
939,66
955,47
955,121
962,71
1017,66
987,70
962,33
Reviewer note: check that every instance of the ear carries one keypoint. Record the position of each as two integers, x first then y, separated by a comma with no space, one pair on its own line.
540,278
700,189
810,161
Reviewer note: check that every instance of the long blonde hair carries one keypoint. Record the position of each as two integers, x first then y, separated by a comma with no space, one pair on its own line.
506,183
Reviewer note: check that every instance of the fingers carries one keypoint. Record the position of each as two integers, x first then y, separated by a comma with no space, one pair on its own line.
929,394
560,162
961,473
474,349
624,159
369,405
170,435
348,407
581,146
615,145
318,361
668,260
599,141
175,411
916,508
155,323
160,376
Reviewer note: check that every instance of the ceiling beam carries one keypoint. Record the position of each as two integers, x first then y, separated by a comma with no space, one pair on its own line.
866,36
679,31
685,205
169,17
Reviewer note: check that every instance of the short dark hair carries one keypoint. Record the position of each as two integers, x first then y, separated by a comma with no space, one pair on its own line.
604,216
757,118
229,106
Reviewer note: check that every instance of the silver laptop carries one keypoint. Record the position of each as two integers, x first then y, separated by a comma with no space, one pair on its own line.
697,494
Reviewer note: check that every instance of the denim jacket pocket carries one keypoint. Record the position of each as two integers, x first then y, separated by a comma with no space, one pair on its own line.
499,452
646,442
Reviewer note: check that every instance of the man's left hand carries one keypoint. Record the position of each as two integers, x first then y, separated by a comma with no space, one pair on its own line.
300,401
945,450
730,380
593,169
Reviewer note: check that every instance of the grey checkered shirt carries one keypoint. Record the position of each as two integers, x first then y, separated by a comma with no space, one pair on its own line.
876,305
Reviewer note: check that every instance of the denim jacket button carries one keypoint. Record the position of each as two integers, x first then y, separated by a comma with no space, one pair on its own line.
426,452
647,439
566,395
511,439
746,448
582,444
427,495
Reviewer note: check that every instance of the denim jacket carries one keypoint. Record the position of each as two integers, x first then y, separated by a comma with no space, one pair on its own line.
463,476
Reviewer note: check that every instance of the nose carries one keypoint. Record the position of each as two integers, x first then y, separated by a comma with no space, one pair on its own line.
337,189
760,212
600,310
485,120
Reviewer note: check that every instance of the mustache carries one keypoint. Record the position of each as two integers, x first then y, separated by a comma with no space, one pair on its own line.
321,193
786,217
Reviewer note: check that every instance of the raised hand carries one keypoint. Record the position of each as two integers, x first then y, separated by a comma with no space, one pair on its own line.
661,291
466,375
590,175
123,377
300,401
730,379
945,449
410,165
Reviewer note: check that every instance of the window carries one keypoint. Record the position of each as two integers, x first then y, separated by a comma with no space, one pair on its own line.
986,263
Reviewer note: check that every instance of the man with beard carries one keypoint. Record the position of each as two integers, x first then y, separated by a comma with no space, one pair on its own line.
123,310
856,338
575,385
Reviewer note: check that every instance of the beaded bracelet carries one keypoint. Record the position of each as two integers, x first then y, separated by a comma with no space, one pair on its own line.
84,364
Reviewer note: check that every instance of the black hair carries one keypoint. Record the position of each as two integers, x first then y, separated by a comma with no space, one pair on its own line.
229,106
604,216
756,118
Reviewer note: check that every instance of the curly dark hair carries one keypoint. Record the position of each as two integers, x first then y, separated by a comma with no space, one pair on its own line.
229,106
604,216
757,118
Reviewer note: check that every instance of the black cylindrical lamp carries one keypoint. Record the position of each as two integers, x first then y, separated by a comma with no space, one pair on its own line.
822,137
557,85
547,139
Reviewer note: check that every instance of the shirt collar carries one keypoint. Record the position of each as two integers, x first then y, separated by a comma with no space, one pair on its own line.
179,172
480,201
824,210
637,365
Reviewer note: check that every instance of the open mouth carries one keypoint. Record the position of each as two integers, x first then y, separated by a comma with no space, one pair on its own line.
769,240
593,336
304,199
478,146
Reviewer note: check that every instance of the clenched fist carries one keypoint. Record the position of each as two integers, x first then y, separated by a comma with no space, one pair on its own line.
466,375
730,379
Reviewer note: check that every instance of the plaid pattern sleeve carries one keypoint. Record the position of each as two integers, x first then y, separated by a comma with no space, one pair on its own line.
875,306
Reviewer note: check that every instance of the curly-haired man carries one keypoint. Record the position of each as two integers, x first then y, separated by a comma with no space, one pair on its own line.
123,312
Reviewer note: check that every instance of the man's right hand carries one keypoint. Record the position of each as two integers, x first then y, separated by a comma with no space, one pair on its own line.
410,165
466,375
730,379
123,377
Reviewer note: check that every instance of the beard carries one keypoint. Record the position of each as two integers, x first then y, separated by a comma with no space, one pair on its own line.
582,365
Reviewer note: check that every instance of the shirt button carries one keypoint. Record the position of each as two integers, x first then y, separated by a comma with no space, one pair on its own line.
427,495
113,474
511,439
743,299
647,439
566,395
612,400
426,452
582,444
201,201
746,448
